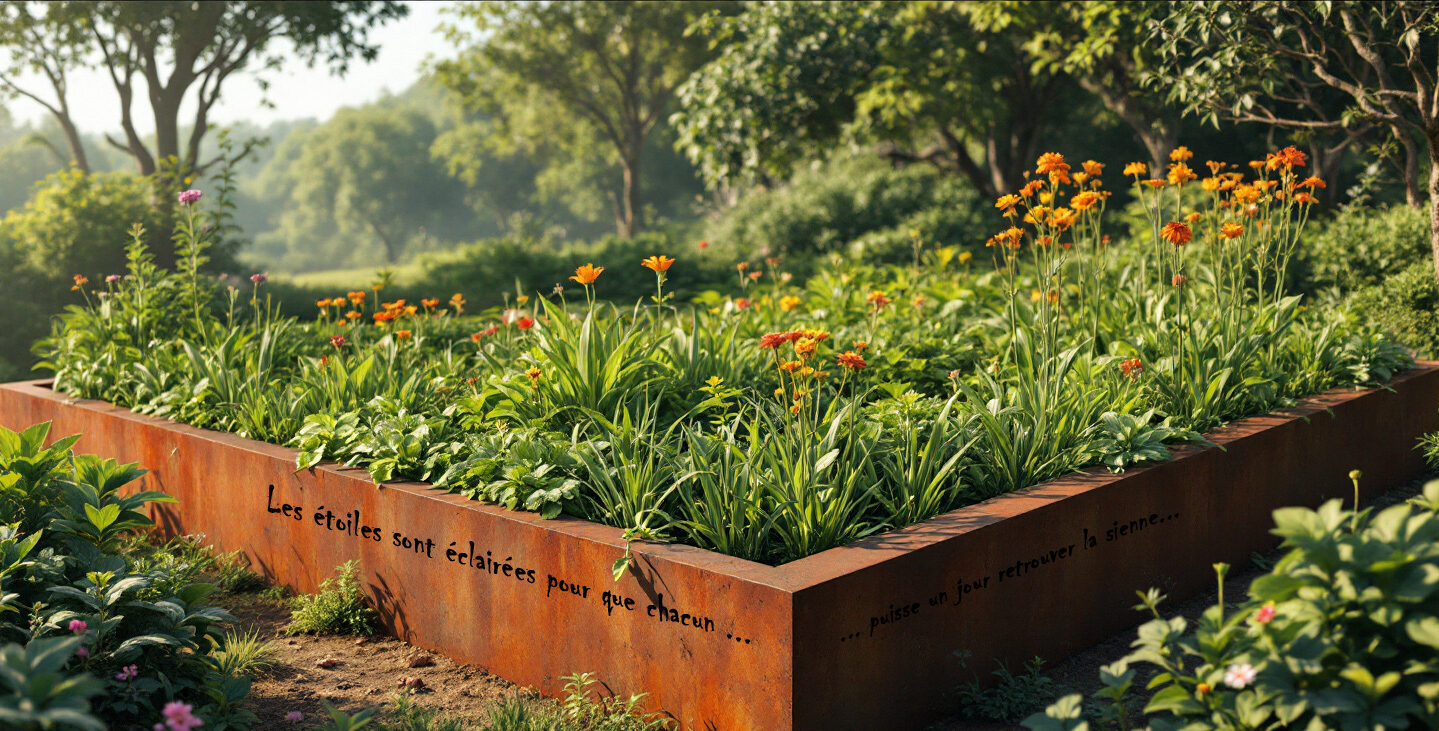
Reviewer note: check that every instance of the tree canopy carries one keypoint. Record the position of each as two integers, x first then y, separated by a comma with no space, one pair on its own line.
580,77
182,51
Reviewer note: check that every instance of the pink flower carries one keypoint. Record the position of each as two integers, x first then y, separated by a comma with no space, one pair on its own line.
77,626
1265,614
337,340
294,716
190,196
129,672
258,278
1238,676
113,278
180,716
83,653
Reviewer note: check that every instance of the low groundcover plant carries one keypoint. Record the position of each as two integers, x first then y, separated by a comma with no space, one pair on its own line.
785,417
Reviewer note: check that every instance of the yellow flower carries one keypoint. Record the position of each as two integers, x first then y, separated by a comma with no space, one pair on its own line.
587,274
964,257
805,347
714,381
789,303
1084,201
658,264
1007,202
520,300
1137,169
1179,174
1180,154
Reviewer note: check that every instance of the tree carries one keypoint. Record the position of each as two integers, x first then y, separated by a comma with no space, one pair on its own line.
364,177
1103,45
1354,70
183,51
545,73
945,83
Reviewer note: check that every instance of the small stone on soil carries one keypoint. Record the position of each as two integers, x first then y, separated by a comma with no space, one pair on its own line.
421,661
327,663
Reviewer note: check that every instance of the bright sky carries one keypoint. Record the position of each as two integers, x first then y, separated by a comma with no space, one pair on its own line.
295,91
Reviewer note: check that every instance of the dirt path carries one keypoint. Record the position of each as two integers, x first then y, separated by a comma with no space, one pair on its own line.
353,673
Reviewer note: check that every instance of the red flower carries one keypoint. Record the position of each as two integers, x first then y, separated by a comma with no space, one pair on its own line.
1131,368
851,360
1176,233
525,323
773,340
1179,280
742,304
337,340
1265,614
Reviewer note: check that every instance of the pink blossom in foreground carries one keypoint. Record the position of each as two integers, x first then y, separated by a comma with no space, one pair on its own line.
190,196
1239,676
77,626
1265,614
180,716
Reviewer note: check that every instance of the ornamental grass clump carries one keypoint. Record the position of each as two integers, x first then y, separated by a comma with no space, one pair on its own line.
787,416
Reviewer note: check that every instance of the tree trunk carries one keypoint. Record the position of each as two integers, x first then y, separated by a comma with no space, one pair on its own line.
1411,170
631,213
1434,201
72,138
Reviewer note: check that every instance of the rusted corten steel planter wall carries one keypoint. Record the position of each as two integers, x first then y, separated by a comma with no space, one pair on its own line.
866,636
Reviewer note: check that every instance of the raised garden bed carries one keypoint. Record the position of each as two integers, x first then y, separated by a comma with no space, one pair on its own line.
869,635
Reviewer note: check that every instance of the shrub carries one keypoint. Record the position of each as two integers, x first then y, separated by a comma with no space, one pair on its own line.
1012,697
129,633
339,607
1341,634
859,205
74,221
1363,247
1405,305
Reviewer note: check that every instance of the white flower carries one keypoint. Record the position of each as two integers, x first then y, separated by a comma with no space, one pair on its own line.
1238,676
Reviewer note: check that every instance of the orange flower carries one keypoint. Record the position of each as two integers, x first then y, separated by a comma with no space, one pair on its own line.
525,323
80,281
1062,218
1131,368
754,276
1312,182
357,297
1092,169
1050,163
658,264
1192,217
1154,183
742,304
817,334
860,345
805,347
742,266
1179,174
1136,169
772,340
1085,200
851,360
1180,154
1287,158
588,273
1303,197
322,304
790,366
1176,233
1031,188
411,309
1007,202
353,315
403,334
457,301
877,298
386,316
430,303
1179,280
534,374
1214,167
1231,230
1202,688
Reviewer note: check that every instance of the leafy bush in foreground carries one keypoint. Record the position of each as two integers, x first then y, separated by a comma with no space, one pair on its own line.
1343,633
85,621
